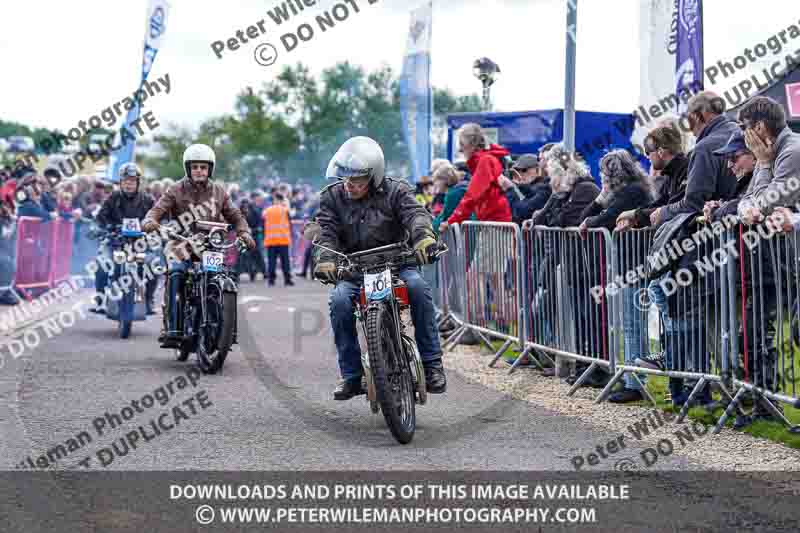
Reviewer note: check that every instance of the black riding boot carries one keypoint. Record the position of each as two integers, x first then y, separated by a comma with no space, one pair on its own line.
173,312
149,295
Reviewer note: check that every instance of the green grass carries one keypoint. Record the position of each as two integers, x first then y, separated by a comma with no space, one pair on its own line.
657,385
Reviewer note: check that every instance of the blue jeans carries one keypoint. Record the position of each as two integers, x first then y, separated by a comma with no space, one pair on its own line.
684,346
637,343
343,322
178,266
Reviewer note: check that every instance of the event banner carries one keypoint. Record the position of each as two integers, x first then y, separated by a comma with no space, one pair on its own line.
658,44
689,70
416,98
155,26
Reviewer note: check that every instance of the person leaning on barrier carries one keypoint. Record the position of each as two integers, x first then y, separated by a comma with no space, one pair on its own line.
663,148
193,192
776,180
29,199
529,191
708,178
625,186
573,189
742,163
365,209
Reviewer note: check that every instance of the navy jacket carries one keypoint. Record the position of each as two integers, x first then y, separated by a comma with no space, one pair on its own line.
534,197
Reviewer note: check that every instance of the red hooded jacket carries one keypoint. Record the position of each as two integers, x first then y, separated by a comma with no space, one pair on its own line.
484,197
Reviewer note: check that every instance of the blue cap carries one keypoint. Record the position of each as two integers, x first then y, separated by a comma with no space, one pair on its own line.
735,144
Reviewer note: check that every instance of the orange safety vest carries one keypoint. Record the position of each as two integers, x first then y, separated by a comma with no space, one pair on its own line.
277,230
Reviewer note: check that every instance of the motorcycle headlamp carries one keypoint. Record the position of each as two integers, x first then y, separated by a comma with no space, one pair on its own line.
216,238
118,256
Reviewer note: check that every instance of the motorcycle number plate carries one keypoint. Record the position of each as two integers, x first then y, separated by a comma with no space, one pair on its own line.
212,261
131,227
378,286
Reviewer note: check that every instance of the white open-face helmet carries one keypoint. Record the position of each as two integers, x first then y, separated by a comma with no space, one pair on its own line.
359,156
199,153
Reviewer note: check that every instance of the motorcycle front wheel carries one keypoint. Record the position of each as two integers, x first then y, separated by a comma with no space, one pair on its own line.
391,372
216,336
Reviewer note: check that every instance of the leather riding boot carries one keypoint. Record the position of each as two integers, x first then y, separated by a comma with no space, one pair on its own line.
149,295
173,336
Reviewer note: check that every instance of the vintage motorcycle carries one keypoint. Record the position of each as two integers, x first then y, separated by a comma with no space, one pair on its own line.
392,365
208,301
125,293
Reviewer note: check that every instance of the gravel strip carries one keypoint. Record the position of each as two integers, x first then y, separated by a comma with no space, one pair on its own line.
729,450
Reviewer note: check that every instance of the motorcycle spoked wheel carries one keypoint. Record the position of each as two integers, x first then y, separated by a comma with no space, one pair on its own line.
392,374
412,355
216,337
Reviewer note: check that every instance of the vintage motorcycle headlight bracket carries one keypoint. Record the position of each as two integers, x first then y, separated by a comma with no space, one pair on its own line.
216,238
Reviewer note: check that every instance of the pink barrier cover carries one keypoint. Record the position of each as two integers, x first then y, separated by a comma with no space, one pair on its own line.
61,251
34,240
44,253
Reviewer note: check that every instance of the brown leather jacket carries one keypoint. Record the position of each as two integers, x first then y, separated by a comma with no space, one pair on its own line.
185,203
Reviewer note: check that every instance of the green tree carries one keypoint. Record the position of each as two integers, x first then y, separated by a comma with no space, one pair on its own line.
292,125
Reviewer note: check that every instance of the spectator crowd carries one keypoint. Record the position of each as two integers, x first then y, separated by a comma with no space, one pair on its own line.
24,192
744,164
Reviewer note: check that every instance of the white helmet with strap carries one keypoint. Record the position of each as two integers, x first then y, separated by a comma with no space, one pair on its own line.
199,153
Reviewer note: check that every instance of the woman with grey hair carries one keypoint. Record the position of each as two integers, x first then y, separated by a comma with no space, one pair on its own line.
625,186
573,190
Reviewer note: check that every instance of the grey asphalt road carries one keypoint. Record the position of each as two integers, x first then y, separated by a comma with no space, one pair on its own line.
270,409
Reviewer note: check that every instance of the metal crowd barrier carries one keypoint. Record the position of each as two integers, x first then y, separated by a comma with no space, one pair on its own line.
61,253
563,318
450,285
684,315
726,310
8,258
766,316
492,273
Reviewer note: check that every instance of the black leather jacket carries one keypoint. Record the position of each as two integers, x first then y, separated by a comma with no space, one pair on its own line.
117,207
379,219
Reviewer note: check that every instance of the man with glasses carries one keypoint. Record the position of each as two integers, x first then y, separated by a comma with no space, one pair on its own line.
663,149
365,209
742,163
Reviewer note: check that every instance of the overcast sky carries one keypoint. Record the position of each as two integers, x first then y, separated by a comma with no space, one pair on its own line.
65,61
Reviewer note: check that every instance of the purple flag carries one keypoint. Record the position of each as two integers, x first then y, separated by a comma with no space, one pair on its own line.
689,57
